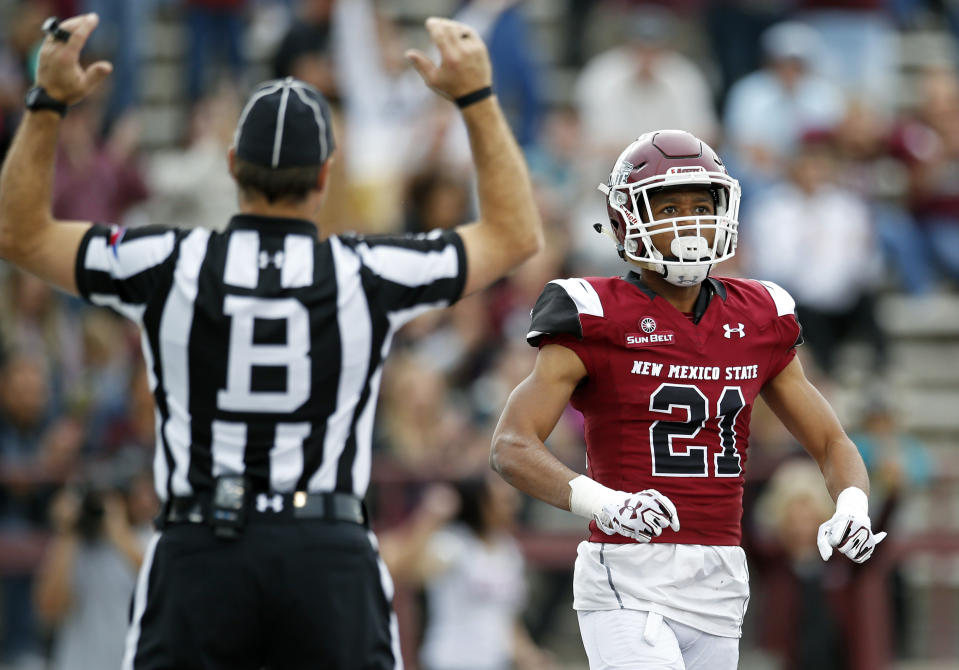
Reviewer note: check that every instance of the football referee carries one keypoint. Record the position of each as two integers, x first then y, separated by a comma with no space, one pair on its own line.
264,348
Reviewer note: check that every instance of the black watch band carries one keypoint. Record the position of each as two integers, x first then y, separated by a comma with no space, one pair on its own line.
37,98
473,97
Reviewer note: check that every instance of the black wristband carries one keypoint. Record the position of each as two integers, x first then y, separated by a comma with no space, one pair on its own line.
37,98
475,96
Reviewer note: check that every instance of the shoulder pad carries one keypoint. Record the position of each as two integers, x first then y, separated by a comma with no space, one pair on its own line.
785,304
559,307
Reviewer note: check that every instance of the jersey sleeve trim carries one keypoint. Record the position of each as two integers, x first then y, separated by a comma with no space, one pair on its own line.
583,295
785,304
559,307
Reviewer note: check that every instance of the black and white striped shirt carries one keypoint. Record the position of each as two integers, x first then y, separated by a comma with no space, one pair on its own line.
264,346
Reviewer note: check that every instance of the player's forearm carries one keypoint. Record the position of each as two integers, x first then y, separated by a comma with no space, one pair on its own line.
505,191
53,591
26,184
843,467
527,464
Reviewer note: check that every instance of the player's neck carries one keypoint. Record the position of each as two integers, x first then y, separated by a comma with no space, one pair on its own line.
682,298
305,209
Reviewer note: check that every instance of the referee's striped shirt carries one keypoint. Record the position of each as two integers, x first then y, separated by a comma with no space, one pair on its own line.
264,346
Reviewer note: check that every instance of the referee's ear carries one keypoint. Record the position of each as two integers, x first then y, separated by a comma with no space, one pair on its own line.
321,178
231,160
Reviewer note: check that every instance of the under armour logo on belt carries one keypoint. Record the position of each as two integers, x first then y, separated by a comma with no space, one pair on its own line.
730,330
269,502
266,259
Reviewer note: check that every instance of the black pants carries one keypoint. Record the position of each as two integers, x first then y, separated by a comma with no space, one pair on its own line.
286,595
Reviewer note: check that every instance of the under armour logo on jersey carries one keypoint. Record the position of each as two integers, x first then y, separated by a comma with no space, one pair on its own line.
741,329
266,259
266,502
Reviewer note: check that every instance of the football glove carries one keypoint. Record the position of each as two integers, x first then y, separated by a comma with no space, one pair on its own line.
639,516
849,530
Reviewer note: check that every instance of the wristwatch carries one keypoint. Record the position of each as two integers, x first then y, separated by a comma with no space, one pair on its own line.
37,98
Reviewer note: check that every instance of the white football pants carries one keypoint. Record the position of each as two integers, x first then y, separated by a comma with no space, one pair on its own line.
635,640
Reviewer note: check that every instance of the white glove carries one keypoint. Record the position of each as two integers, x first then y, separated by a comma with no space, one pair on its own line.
635,515
849,529
639,515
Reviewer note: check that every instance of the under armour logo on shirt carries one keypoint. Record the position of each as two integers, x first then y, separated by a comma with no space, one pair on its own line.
741,329
269,502
266,259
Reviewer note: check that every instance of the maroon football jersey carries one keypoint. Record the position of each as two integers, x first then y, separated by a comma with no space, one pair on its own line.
668,396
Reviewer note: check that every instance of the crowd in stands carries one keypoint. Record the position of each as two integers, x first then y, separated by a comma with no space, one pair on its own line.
851,189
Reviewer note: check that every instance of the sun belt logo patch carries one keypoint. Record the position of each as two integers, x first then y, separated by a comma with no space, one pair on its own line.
648,324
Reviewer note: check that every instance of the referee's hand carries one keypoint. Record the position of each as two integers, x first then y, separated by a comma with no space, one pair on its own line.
464,62
58,68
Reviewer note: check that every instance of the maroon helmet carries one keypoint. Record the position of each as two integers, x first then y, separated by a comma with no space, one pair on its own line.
670,159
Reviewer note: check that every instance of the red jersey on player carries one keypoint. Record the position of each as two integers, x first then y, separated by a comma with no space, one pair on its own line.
668,396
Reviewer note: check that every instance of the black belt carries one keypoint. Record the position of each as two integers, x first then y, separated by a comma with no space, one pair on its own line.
298,505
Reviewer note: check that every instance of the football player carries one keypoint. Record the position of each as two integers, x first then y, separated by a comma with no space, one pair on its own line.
665,364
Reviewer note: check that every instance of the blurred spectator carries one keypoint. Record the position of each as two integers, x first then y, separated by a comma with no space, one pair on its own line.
816,239
33,321
392,125
898,462
35,449
217,25
102,394
641,86
859,47
419,426
871,167
19,38
436,199
734,28
97,181
794,578
191,186
517,78
304,51
472,571
899,466
123,30
930,142
768,111
552,161
83,586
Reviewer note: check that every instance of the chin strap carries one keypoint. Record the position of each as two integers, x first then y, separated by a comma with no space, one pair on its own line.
608,232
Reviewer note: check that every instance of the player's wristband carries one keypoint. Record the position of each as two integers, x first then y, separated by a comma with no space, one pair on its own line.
471,98
853,501
587,496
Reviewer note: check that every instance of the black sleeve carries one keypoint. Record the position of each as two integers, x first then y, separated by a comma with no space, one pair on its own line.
554,313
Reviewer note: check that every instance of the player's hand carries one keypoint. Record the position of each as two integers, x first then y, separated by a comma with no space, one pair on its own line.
851,534
639,516
464,62
58,67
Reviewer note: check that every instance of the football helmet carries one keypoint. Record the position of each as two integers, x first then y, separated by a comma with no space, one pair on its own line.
671,159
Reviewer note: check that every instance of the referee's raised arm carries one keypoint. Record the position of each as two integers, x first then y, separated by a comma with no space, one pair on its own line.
509,229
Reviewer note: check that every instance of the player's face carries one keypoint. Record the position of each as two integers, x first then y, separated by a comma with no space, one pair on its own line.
674,204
